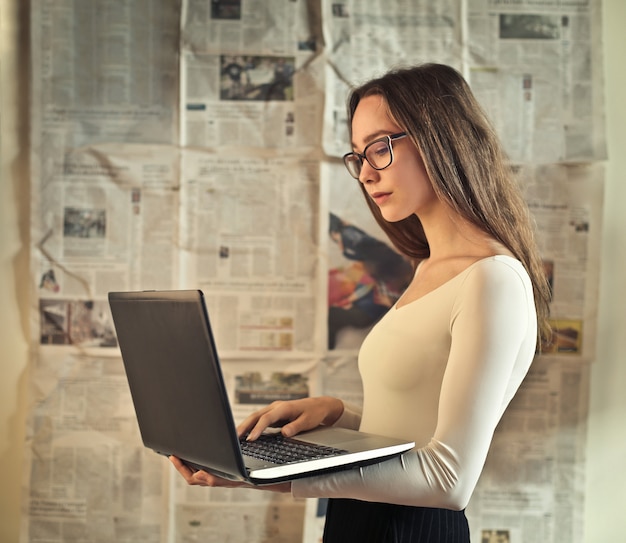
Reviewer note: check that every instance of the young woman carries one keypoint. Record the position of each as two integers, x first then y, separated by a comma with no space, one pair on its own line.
444,362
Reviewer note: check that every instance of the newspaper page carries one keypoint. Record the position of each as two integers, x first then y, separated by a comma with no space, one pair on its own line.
251,74
536,66
249,231
101,76
364,38
106,219
532,486
104,207
89,478
104,167
250,515
240,515
566,204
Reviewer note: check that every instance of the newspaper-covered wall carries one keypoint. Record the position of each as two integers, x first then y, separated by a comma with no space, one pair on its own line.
196,144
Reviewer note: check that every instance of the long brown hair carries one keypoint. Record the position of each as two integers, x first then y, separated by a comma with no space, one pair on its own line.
467,167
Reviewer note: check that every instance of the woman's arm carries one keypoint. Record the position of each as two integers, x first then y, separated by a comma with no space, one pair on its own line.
493,327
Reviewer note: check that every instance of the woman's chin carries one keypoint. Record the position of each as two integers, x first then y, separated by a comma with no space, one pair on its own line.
391,215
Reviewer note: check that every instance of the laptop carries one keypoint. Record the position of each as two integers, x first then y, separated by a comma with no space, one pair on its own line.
183,409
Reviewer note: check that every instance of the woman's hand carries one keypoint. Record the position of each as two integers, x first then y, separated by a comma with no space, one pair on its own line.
203,478
294,416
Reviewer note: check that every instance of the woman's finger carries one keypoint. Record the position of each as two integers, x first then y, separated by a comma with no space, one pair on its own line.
251,420
202,478
293,416
274,415
282,414
183,469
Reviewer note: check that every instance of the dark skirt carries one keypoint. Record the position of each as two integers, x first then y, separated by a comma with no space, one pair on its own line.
360,522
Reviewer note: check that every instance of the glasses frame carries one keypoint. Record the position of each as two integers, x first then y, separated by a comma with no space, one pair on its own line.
362,156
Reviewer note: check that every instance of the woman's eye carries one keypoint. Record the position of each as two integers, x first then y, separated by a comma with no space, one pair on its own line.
379,149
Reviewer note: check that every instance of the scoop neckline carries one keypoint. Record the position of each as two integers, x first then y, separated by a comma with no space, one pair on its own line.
397,307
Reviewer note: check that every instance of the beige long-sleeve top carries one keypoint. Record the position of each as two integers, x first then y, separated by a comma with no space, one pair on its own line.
440,371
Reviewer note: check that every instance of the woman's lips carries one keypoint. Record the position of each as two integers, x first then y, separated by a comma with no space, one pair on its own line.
380,197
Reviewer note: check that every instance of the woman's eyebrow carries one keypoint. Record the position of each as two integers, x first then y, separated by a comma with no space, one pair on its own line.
373,136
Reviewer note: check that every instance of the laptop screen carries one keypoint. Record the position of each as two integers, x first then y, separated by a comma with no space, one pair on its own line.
174,377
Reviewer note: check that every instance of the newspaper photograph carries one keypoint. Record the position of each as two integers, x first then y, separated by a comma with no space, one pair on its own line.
252,384
366,275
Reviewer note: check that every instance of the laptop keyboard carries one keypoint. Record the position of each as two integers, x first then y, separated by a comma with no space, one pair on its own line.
278,449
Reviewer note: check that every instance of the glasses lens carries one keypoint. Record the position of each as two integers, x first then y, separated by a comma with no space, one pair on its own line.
353,164
378,154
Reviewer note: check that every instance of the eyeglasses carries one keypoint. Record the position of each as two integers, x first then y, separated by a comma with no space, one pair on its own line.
378,153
